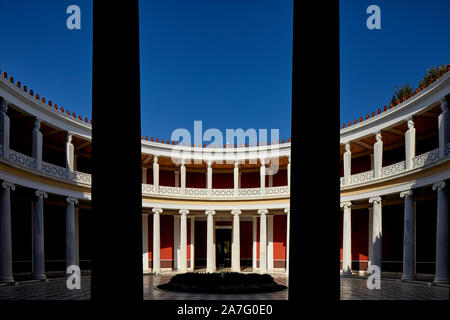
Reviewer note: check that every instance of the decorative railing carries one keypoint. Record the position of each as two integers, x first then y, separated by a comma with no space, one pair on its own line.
24,161
393,169
362,177
425,159
223,193
170,191
419,161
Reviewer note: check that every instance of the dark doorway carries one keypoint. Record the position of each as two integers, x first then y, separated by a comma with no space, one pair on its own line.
223,248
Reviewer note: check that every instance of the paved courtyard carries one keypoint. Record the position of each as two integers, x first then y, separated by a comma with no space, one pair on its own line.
54,289
153,293
355,288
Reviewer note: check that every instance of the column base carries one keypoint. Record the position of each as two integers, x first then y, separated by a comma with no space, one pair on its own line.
347,273
408,277
7,280
440,280
40,277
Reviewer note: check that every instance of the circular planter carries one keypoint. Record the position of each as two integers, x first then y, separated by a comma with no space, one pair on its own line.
224,283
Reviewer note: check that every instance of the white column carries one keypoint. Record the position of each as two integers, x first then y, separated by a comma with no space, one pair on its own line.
69,153
347,239
441,275
5,232
254,224
270,242
209,241
408,236
444,127
378,155
376,231
192,243
70,231
183,175
263,241
177,178
235,246
156,254
183,240
410,144
4,128
262,175
144,175
288,228
156,173
176,242
209,177
38,236
347,163
37,143
236,177
370,236
145,265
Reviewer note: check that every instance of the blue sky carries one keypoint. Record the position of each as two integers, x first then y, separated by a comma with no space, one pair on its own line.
414,36
226,63
38,49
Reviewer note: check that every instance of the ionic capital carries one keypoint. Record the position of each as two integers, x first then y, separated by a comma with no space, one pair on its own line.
37,124
71,200
287,210
347,146
444,104
8,185
407,193
210,212
183,211
209,163
69,137
263,211
3,105
378,136
439,186
410,123
157,210
346,204
41,194
236,164
235,212
375,200
155,159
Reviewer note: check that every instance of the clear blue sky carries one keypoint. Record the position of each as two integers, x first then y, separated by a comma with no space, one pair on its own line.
224,62
414,36
38,49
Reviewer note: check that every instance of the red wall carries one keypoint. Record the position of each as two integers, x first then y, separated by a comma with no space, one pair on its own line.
150,240
195,179
279,237
360,235
200,239
246,239
360,164
280,179
167,178
250,180
149,175
223,180
166,233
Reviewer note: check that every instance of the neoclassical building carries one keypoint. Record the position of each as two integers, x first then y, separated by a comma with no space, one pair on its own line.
203,207
394,184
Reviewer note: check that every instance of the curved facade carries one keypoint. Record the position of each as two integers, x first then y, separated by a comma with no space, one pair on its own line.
394,183
203,207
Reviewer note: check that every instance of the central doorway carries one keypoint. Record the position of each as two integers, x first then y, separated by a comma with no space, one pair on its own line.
223,248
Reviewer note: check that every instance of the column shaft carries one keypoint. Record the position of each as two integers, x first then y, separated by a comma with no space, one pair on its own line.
408,236
347,240
209,241
235,247
288,240
156,240
263,241
410,144
378,155
38,236
70,231
183,240
376,231
5,232
441,275
254,225
37,144
347,163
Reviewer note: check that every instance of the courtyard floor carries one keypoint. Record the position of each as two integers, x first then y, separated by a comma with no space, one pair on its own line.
355,288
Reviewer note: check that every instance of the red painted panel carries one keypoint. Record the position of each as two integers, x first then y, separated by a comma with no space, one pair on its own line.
195,179
250,179
223,180
392,242
360,235
361,164
166,224
280,179
279,236
246,239
341,225
257,238
167,178
223,223
200,239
